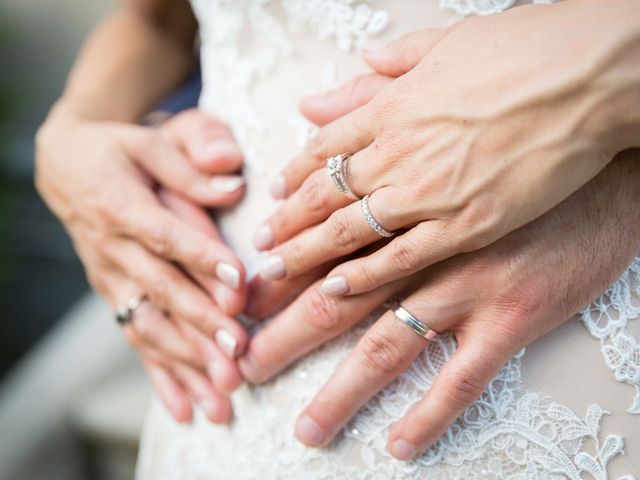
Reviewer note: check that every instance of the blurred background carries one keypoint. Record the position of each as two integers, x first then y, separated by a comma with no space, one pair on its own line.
72,395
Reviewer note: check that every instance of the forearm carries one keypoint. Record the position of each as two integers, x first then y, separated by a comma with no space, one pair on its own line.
131,60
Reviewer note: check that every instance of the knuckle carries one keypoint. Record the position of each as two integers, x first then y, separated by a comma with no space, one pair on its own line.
314,193
381,354
317,146
108,203
340,231
462,388
366,278
404,258
322,312
159,291
161,239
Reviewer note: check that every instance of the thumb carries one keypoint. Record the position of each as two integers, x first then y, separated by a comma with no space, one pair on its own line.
327,107
401,55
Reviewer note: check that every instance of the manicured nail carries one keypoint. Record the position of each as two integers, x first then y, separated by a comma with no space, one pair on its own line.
249,369
278,187
220,148
403,450
226,184
373,46
228,274
226,342
272,268
263,239
308,432
335,286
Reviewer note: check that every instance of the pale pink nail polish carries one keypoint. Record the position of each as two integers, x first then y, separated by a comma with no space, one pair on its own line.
226,183
308,431
278,187
228,274
226,342
263,239
403,450
272,268
335,286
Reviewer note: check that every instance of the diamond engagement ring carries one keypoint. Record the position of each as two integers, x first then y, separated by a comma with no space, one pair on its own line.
415,324
373,223
337,170
124,313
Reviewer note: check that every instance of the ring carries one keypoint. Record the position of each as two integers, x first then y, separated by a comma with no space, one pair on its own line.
337,170
415,324
373,223
124,313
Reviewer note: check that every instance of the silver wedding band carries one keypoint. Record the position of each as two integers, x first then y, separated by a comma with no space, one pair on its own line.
373,223
339,173
124,313
415,324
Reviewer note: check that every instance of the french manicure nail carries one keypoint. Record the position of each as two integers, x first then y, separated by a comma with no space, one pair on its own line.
226,184
335,286
263,239
403,450
228,274
226,342
308,431
278,187
272,268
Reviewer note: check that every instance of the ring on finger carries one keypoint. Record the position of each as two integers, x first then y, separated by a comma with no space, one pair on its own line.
125,312
416,325
337,169
373,223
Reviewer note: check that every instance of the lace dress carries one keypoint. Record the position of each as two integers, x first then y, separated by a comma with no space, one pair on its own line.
559,410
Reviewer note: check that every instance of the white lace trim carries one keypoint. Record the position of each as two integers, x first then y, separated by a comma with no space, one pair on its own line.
481,7
607,320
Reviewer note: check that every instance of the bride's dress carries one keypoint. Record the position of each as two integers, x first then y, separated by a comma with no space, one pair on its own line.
567,408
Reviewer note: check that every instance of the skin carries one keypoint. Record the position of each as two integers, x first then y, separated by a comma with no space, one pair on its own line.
101,174
442,150
495,301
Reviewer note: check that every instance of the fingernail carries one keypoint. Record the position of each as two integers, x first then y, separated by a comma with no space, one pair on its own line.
212,369
335,286
263,239
272,268
403,450
373,46
220,148
228,274
226,184
278,187
249,369
308,431
226,342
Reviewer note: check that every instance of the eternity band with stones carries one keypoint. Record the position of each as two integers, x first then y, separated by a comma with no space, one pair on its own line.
337,170
415,324
124,313
373,223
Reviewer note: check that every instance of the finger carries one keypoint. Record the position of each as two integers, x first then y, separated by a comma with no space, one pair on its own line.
203,393
228,288
160,231
386,350
171,393
208,142
170,167
345,231
460,382
347,134
425,244
310,321
173,292
157,331
400,56
329,106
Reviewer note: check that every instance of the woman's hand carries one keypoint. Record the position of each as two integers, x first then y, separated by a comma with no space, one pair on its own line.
100,179
485,130
495,301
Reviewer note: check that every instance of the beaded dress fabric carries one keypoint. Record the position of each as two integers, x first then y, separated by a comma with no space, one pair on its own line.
567,407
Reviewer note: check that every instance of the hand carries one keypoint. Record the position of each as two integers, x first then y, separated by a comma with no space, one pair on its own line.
495,301
441,150
99,179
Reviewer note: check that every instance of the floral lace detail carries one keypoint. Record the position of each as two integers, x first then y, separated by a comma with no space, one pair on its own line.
481,7
508,433
607,319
